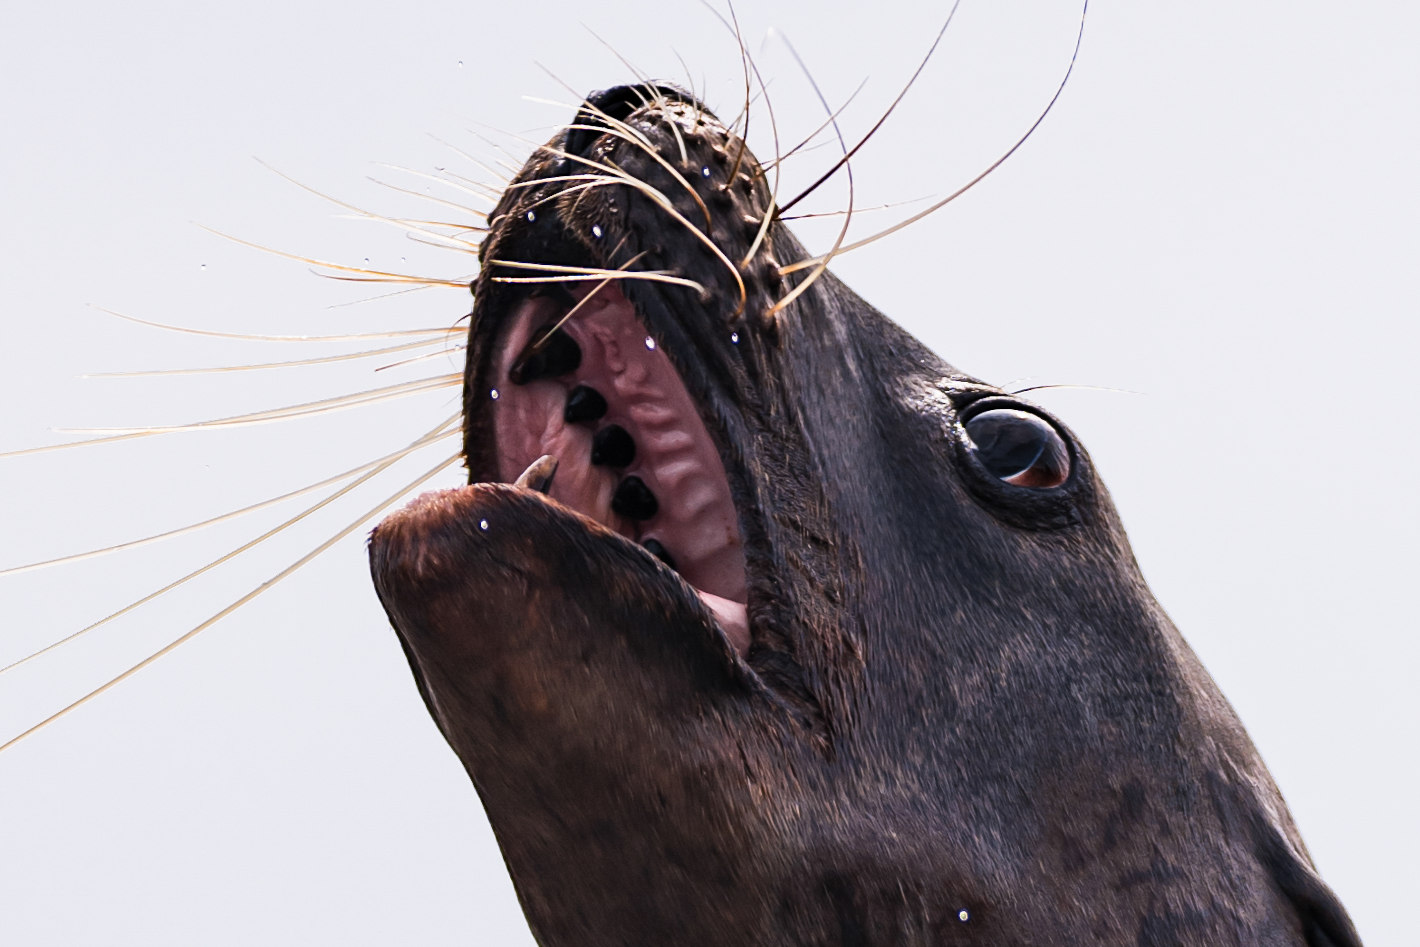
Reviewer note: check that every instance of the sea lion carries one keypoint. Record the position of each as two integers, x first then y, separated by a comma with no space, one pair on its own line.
801,635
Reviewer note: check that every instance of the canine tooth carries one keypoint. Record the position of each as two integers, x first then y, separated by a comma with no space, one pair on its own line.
612,446
539,474
634,500
584,404
654,547
547,357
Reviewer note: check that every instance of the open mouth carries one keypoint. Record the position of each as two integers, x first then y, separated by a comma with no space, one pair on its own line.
577,376
600,337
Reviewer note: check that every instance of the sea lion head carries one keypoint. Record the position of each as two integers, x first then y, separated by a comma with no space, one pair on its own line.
808,637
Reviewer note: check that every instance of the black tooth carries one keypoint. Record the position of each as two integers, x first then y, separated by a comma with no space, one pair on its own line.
555,291
584,404
654,547
557,355
634,500
612,446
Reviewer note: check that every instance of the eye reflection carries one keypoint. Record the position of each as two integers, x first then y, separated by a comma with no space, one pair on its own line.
1020,448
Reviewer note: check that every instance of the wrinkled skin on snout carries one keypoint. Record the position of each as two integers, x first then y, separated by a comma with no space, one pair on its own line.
848,676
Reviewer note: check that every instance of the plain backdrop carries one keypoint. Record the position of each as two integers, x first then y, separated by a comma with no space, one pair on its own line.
1212,238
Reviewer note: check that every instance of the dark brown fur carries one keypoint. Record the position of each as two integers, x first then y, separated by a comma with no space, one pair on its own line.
963,717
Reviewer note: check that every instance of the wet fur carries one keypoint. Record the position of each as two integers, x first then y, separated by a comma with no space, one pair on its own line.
121,758
963,718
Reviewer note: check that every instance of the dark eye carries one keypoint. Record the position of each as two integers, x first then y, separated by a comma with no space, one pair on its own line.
1020,448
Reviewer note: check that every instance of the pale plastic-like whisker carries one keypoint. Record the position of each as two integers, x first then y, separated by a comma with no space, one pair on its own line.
356,524
251,337
355,208
371,276
322,406
813,277
261,366
442,431
1079,37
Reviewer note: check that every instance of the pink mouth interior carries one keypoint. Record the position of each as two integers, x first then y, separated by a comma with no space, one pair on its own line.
675,457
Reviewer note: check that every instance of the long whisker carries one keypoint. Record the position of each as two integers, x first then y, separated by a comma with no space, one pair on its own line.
360,211
858,211
464,208
830,122
260,366
378,276
884,117
769,215
543,339
502,182
423,230
245,336
232,514
356,524
304,409
1079,37
454,181
461,347
617,175
794,293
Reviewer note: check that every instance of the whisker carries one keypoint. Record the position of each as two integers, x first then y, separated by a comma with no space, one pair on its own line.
664,203
260,366
378,296
442,430
501,181
305,409
541,341
360,212
379,276
249,337
1063,387
763,232
461,347
830,122
470,188
430,197
238,603
422,231
803,285
1079,37
884,117
857,210
578,274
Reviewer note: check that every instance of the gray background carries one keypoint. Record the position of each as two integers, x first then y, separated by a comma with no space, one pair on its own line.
1218,220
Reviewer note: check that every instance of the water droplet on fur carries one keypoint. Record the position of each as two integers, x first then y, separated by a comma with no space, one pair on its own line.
531,216
963,916
705,172
734,338
493,393
597,231
650,344
483,525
